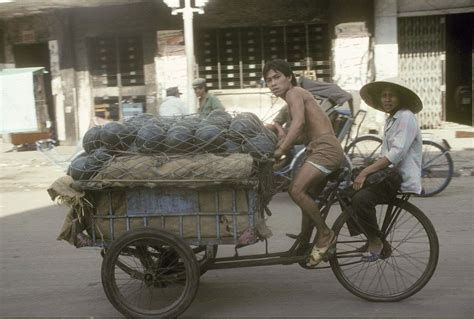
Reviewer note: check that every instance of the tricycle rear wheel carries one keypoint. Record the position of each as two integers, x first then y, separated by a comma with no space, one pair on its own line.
407,263
150,273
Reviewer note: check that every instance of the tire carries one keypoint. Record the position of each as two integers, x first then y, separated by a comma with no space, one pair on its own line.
437,168
364,150
150,273
408,261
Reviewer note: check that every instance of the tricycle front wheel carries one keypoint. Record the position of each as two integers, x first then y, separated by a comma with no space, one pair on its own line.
150,273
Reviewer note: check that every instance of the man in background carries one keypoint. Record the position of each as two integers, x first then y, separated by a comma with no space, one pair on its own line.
172,104
207,101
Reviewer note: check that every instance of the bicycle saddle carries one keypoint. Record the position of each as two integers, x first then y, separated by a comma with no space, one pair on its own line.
336,175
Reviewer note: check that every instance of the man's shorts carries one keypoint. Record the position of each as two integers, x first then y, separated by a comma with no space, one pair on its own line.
325,153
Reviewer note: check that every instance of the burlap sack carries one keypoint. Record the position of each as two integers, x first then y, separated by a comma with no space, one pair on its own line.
110,207
154,167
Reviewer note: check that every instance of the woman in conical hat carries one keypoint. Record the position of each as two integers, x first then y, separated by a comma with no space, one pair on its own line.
401,149
371,94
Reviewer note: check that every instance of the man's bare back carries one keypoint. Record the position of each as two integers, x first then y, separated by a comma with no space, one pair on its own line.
308,119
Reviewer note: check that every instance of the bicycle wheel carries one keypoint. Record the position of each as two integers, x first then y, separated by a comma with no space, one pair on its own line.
150,273
364,150
408,260
437,168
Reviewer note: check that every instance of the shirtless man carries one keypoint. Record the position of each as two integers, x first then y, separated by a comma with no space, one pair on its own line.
324,153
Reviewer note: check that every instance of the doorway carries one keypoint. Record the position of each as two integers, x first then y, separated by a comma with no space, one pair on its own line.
37,55
459,50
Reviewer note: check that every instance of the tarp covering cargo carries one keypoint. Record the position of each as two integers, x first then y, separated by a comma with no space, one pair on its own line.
205,179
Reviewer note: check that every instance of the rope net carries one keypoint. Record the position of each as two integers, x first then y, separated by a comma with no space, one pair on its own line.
146,149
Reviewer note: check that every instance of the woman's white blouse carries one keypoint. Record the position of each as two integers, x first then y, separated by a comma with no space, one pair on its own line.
402,146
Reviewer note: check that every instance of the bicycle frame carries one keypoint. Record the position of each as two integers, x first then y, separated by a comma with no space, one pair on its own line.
330,196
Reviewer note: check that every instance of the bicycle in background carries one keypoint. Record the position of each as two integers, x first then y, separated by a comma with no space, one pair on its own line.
437,165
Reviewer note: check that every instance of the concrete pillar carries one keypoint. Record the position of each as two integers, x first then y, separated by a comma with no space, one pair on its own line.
68,81
149,50
385,39
385,49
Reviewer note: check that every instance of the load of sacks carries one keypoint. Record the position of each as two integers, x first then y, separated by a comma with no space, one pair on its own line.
219,132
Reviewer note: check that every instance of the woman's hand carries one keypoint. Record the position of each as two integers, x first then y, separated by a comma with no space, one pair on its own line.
359,181
381,163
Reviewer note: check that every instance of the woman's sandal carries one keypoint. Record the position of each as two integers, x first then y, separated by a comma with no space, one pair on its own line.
318,254
371,256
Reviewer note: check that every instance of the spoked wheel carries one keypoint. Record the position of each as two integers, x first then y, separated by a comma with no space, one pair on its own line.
364,150
408,260
437,168
150,273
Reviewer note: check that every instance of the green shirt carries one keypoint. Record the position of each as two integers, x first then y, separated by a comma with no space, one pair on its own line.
209,104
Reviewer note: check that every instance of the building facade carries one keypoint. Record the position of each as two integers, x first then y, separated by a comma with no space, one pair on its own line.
109,61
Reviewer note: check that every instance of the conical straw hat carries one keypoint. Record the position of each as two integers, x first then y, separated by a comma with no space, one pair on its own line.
371,94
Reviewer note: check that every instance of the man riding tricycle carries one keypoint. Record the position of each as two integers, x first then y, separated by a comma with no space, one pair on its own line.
159,195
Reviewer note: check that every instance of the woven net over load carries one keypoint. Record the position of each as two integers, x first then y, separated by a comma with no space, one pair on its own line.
147,150
198,177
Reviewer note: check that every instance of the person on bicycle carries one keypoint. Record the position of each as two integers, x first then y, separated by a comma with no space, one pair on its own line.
324,153
401,149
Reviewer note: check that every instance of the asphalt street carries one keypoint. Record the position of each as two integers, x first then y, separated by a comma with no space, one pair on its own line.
47,278
43,277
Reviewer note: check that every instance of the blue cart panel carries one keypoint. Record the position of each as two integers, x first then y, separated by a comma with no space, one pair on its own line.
199,216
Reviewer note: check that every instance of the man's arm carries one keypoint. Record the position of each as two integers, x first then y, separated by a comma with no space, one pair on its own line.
296,107
282,117
279,130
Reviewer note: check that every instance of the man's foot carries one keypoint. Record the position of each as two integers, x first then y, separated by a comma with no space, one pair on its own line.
320,251
304,242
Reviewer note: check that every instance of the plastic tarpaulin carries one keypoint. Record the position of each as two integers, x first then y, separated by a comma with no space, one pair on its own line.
17,101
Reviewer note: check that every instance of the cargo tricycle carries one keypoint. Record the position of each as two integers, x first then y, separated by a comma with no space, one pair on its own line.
158,243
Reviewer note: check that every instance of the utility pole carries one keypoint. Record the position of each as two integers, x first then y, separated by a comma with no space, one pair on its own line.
188,11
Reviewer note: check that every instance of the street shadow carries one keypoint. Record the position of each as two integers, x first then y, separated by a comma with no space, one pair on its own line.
44,277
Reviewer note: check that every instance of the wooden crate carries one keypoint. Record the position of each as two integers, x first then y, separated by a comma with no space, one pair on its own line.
28,137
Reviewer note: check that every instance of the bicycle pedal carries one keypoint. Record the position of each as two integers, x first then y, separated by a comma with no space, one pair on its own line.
329,254
293,236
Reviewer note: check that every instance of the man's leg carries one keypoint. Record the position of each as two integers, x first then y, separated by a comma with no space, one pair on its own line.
306,222
363,203
307,176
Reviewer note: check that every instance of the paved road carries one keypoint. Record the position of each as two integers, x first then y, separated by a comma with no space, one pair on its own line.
47,278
